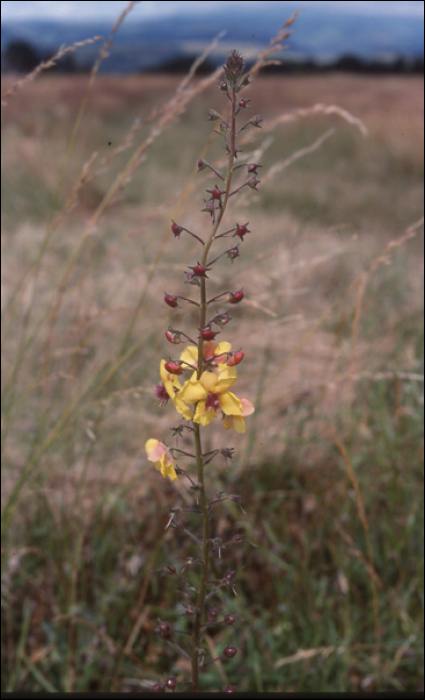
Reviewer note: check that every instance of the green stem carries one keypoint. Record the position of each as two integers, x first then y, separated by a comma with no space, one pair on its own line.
200,605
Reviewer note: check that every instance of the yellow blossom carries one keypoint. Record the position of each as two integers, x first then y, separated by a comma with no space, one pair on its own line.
172,387
158,453
211,394
237,422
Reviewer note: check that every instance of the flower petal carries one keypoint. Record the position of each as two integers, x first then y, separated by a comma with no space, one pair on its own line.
235,422
230,404
192,390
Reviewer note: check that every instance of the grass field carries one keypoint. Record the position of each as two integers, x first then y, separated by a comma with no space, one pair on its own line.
330,471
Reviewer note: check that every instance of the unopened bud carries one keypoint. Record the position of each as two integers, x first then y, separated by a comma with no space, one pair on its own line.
216,192
173,337
176,229
223,86
199,270
236,359
201,164
243,104
241,230
171,682
173,367
230,652
229,619
171,300
252,167
207,333
236,297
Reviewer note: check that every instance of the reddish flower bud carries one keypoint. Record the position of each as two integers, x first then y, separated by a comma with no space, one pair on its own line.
243,104
241,230
158,688
173,368
236,359
236,297
171,682
229,619
252,167
173,337
230,652
171,300
201,164
176,229
223,86
199,270
171,569
216,192
207,333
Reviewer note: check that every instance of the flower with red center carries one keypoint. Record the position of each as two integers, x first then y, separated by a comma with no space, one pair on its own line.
211,394
162,394
160,456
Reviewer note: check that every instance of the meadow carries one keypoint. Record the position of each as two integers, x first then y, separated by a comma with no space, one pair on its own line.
330,470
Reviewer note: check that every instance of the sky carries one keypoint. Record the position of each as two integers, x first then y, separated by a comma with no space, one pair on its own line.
63,9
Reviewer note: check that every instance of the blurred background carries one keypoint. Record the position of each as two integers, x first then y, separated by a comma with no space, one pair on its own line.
99,154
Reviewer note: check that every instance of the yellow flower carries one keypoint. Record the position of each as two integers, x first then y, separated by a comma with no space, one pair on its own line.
211,350
172,386
211,394
158,453
237,422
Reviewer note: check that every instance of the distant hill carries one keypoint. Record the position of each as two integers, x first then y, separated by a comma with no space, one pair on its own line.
152,44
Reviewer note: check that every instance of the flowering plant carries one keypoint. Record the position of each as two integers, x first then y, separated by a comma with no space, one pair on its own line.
206,394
